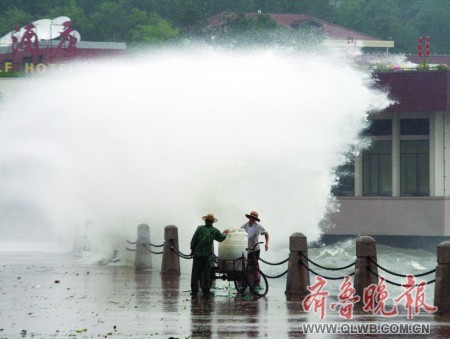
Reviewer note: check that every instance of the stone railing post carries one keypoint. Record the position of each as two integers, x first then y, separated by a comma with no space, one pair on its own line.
143,257
442,283
170,260
297,275
366,247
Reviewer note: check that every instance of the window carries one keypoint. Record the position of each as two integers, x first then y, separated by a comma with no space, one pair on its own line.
377,161
414,127
377,169
346,183
379,127
414,168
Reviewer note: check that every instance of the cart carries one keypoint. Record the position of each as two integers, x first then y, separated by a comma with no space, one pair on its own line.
243,272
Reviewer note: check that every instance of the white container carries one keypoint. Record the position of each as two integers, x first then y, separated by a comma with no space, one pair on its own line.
232,249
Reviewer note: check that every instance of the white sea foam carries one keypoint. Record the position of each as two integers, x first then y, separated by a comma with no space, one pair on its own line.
417,266
168,136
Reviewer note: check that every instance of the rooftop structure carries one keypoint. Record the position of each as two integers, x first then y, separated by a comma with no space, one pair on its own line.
38,46
336,35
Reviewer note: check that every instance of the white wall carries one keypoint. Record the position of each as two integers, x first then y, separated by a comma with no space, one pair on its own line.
423,216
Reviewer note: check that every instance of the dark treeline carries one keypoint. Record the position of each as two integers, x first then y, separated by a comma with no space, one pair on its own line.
157,21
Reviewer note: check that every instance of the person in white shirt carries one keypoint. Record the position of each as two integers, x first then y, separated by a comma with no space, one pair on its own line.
254,229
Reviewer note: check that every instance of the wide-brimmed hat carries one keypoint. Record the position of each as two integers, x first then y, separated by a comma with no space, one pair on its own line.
209,217
253,215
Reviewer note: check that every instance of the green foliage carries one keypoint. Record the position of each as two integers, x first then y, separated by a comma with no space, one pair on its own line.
13,17
238,29
433,20
400,20
155,21
112,20
159,31
10,74
257,30
75,13
423,66
442,67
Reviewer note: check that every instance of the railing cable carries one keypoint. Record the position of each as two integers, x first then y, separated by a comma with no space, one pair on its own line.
398,274
323,276
150,250
274,264
177,251
327,268
274,276
156,245
397,284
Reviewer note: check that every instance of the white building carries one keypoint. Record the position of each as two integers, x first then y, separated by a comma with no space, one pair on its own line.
401,185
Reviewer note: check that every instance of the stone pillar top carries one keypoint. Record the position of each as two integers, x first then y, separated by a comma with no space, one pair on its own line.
170,232
143,226
143,233
143,230
443,252
365,238
366,247
298,242
298,234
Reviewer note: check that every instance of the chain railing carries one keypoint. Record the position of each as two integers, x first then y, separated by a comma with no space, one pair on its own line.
274,264
325,268
274,276
296,282
178,252
399,275
132,243
147,245
150,250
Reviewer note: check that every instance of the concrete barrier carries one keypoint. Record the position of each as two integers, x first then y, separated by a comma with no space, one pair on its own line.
442,283
366,247
143,257
297,275
171,260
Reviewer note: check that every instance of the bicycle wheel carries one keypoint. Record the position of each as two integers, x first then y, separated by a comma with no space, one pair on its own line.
257,282
240,285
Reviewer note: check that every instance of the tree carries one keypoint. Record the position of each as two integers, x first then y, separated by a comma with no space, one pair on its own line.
156,32
239,29
433,19
77,15
14,17
382,19
117,21
36,8
131,20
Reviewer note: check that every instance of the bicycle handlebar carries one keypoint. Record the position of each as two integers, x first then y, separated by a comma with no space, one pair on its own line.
253,248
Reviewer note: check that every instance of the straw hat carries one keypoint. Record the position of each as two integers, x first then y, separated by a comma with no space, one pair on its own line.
209,217
253,215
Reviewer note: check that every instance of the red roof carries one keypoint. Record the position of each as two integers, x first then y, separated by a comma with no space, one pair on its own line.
333,31
416,91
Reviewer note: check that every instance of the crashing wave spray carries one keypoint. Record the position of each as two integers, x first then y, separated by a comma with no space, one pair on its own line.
168,136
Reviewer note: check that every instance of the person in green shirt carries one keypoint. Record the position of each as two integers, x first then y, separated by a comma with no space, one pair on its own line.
201,251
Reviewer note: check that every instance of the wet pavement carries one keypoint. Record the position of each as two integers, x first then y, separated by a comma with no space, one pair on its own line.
57,296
